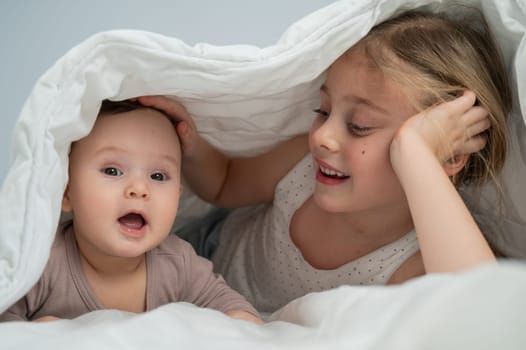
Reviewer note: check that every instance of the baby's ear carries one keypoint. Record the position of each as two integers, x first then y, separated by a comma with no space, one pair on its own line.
66,203
454,165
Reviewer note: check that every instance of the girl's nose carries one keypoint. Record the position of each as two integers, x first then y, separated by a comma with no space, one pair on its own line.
137,189
326,135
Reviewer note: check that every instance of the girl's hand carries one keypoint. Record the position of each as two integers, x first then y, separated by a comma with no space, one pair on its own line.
245,316
427,150
450,129
185,126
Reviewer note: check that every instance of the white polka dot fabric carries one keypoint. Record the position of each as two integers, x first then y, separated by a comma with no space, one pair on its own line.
258,258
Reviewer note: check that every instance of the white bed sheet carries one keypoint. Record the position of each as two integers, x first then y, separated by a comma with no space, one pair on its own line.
480,309
254,97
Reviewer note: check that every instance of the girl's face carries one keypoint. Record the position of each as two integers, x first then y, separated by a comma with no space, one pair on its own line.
359,114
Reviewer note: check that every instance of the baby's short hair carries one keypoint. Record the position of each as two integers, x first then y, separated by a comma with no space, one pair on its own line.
109,107
117,107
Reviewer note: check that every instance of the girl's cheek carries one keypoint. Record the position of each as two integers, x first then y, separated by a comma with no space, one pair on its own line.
363,149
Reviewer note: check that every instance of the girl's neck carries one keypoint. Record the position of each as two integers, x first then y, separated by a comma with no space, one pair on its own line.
383,225
328,240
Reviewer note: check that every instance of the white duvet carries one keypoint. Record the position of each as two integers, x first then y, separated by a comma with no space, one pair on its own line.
245,99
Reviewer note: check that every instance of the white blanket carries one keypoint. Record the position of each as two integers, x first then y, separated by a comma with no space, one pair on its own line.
255,97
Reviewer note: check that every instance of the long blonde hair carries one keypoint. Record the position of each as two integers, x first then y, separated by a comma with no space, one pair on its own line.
444,57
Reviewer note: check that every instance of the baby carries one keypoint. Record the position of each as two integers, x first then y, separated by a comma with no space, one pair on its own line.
116,252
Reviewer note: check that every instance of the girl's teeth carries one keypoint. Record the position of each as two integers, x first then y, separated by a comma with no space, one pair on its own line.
331,172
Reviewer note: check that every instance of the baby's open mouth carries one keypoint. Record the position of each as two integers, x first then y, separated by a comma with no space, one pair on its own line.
133,220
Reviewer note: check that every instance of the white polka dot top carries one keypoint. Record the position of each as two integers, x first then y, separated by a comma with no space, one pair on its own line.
257,257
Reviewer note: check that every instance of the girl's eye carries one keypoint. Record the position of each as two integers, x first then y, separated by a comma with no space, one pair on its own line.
112,171
159,177
358,130
321,113
354,129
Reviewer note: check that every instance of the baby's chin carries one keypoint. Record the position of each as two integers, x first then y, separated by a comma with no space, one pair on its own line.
129,252
134,248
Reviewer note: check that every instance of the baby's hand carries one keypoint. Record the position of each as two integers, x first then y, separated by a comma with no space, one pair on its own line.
46,319
450,129
185,125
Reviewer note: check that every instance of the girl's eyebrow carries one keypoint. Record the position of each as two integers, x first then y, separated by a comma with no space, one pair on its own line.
358,100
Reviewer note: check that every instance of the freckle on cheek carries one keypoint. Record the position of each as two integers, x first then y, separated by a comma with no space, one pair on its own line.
363,151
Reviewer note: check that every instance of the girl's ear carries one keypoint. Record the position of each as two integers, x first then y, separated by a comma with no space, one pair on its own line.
453,165
66,203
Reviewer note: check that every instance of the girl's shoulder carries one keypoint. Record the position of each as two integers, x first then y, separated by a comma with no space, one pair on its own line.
296,186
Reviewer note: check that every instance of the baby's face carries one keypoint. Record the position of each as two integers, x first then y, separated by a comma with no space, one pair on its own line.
124,183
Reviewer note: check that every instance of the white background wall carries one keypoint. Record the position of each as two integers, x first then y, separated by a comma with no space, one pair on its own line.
35,33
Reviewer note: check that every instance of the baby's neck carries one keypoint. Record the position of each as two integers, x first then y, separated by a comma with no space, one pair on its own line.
95,260
110,266
118,283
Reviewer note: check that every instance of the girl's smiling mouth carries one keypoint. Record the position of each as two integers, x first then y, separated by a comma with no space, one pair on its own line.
328,175
332,173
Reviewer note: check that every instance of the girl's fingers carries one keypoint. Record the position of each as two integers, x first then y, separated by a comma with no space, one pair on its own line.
185,126
185,136
477,128
458,106
171,108
475,114
473,145
475,120
185,133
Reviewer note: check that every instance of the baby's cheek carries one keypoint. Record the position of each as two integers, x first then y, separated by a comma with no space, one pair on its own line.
168,204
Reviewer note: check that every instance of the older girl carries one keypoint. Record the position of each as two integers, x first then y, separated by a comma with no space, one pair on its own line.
374,201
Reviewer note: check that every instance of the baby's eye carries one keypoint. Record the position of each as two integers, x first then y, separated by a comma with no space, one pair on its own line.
159,177
358,130
321,113
112,171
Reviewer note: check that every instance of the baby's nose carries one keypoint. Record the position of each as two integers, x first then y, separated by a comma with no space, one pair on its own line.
138,188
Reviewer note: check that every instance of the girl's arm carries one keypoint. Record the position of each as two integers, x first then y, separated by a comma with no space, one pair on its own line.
245,316
449,238
221,180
